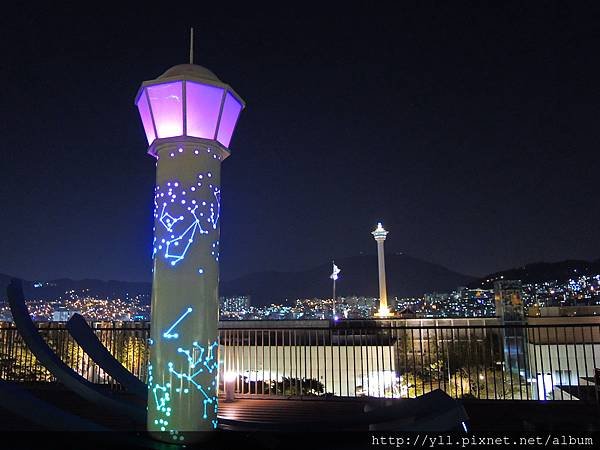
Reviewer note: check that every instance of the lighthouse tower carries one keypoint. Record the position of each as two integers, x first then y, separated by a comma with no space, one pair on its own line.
189,116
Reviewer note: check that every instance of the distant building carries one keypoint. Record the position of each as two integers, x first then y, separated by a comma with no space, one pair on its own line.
62,314
238,304
565,311
508,299
563,353
406,313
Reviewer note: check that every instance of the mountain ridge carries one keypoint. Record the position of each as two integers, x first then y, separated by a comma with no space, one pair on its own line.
539,272
407,276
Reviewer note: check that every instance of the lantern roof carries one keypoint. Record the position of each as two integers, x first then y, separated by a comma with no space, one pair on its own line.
189,72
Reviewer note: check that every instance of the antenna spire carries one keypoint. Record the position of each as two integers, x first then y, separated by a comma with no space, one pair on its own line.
192,45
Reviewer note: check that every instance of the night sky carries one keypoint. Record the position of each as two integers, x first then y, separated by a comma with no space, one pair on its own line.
472,132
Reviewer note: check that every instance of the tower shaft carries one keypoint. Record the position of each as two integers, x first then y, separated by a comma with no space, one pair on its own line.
183,375
379,234
383,304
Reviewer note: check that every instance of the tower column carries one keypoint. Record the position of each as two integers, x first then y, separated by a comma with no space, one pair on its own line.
383,306
184,364
189,116
380,234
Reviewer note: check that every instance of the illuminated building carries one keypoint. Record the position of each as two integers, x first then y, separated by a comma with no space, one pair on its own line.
239,304
189,116
380,234
507,296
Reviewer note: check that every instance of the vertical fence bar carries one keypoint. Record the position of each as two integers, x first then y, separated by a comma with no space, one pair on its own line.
585,370
576,364
548,347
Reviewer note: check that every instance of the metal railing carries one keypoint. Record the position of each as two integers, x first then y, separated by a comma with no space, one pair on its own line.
354,358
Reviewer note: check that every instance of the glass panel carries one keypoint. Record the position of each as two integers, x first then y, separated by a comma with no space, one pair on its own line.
167,108
231,111
144,110
203,105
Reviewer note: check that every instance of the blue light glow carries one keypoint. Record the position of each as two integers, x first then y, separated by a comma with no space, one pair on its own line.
209,363
198,359
168,334
178,233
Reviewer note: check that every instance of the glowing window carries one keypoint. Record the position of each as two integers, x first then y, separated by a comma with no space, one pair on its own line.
231,111
144,109
167,108
203,104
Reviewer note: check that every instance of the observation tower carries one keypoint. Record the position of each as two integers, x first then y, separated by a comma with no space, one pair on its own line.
379,234
189,116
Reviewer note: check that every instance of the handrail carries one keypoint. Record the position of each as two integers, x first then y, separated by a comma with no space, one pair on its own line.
54,364
88,341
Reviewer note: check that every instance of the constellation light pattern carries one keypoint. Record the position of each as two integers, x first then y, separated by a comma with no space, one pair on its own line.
181,217
207,364
169,333
197,360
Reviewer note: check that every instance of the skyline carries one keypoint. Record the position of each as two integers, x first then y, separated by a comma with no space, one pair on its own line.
315,141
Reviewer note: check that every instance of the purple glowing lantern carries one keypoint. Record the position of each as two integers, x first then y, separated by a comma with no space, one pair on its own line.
188,102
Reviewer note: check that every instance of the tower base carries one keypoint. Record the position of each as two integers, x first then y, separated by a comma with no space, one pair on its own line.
385,313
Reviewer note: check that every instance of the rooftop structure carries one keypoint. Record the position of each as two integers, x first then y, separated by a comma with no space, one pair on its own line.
189,116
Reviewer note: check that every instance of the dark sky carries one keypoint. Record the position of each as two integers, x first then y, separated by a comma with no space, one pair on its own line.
472,131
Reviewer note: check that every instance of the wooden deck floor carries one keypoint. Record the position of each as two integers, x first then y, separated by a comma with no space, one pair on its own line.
315,414
258,413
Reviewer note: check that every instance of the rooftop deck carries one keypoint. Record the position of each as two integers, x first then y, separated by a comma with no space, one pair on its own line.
286,413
